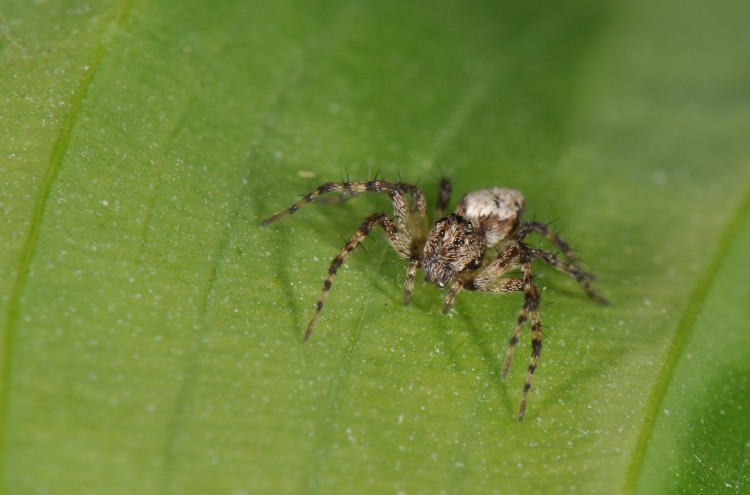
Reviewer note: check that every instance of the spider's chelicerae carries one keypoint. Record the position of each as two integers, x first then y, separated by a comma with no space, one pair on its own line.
472,249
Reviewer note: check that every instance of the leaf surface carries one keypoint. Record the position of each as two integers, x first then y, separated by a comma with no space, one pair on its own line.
151,329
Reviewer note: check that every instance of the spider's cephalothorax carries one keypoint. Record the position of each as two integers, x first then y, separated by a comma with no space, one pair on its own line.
454,245
455,251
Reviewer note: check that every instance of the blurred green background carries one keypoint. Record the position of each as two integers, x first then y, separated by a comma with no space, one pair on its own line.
151,330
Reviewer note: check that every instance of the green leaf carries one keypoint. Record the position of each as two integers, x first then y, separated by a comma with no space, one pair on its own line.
151,329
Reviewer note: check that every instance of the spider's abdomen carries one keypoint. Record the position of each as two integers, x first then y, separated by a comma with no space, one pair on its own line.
497,210
454,244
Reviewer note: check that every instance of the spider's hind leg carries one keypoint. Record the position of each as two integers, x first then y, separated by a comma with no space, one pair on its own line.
570,266
545,231
572,269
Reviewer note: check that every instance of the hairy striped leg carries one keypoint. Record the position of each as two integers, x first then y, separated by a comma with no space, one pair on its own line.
571,269
411,275
391,232
410,222
571,266
552,237
396,191
531,304
490,280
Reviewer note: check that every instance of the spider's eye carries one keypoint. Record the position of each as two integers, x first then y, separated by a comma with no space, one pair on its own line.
458,241
442,233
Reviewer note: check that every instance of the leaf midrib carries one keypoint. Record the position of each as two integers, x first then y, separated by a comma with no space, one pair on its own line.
694,304
59,150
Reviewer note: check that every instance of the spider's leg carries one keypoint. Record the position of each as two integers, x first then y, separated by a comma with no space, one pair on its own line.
444,197
583,277
531,307
341,198
507,286
572,269
512,285
414,218
391,232
550,235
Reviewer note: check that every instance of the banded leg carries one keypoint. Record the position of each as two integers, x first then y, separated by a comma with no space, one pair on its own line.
444,197
487,281
582,277
552,237
531,307
396,192
571,269
391,232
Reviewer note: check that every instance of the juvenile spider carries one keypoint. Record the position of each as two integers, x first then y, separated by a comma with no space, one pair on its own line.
472,249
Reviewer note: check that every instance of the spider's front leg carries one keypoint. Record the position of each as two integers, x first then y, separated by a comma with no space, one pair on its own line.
391,232
405,233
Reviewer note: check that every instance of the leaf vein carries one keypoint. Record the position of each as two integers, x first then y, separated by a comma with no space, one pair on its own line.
682,335
59,150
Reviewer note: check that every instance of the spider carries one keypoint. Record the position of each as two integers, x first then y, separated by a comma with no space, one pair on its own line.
473,249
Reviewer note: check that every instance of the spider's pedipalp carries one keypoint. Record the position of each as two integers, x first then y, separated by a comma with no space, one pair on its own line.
457,287
391,232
